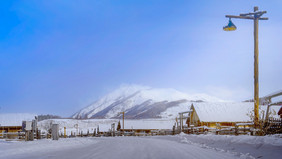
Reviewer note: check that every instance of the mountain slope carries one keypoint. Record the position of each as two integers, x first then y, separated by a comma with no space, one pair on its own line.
139,102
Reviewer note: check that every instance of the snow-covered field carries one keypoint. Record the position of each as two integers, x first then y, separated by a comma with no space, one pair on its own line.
75,126
245,146
156,147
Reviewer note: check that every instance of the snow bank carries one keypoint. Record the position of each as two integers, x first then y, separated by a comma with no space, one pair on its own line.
243,146
275,140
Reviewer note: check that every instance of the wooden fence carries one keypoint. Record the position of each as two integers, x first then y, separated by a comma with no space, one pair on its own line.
273,126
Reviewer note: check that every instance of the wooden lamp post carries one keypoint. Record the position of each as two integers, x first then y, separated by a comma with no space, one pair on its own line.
122,121
256,16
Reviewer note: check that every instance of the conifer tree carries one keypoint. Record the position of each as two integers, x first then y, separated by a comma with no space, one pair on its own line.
94,133
118,126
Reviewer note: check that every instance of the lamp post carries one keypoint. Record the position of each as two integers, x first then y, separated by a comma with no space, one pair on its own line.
122,121
256,16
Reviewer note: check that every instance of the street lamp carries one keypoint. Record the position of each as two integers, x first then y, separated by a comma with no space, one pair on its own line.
230,26
256,16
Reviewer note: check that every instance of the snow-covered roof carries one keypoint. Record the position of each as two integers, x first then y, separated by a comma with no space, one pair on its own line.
226,111
15,119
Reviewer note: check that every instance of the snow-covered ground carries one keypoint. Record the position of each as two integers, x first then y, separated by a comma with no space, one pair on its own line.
245,146
75,126
157,147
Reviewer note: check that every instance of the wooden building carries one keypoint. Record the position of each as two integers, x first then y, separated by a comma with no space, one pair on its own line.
280,112
12,130
221,114
11,123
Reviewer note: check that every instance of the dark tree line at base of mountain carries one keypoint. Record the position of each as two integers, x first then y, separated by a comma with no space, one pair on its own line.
48,116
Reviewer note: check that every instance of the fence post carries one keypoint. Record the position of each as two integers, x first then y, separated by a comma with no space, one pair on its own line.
55,131
65,135
38,134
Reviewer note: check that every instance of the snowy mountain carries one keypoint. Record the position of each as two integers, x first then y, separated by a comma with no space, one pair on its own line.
140,102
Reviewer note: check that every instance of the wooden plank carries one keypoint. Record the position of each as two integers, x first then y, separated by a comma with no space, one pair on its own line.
265,18
244,17
239,17
253,13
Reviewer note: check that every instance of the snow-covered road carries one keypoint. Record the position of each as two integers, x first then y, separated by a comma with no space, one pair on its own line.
107,148
154,147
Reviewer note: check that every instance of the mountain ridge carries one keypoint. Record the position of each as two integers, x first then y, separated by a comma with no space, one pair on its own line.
139,102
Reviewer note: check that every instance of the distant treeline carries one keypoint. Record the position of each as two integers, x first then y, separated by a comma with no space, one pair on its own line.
48,116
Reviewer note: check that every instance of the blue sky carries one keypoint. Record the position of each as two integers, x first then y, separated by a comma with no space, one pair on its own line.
58,56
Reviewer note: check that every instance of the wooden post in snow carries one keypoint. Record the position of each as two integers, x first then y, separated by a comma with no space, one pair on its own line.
55,131
65,134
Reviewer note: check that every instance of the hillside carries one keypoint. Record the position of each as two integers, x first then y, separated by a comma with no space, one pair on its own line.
140,102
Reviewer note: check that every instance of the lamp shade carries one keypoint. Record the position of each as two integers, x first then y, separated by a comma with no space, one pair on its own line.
230,26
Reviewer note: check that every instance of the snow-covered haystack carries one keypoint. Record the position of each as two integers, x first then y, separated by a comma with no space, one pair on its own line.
140,102
15,119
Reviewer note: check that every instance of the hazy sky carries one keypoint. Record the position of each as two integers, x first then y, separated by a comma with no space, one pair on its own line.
57,56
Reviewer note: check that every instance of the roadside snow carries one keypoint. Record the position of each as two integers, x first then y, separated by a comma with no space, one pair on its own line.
244,146
275,140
